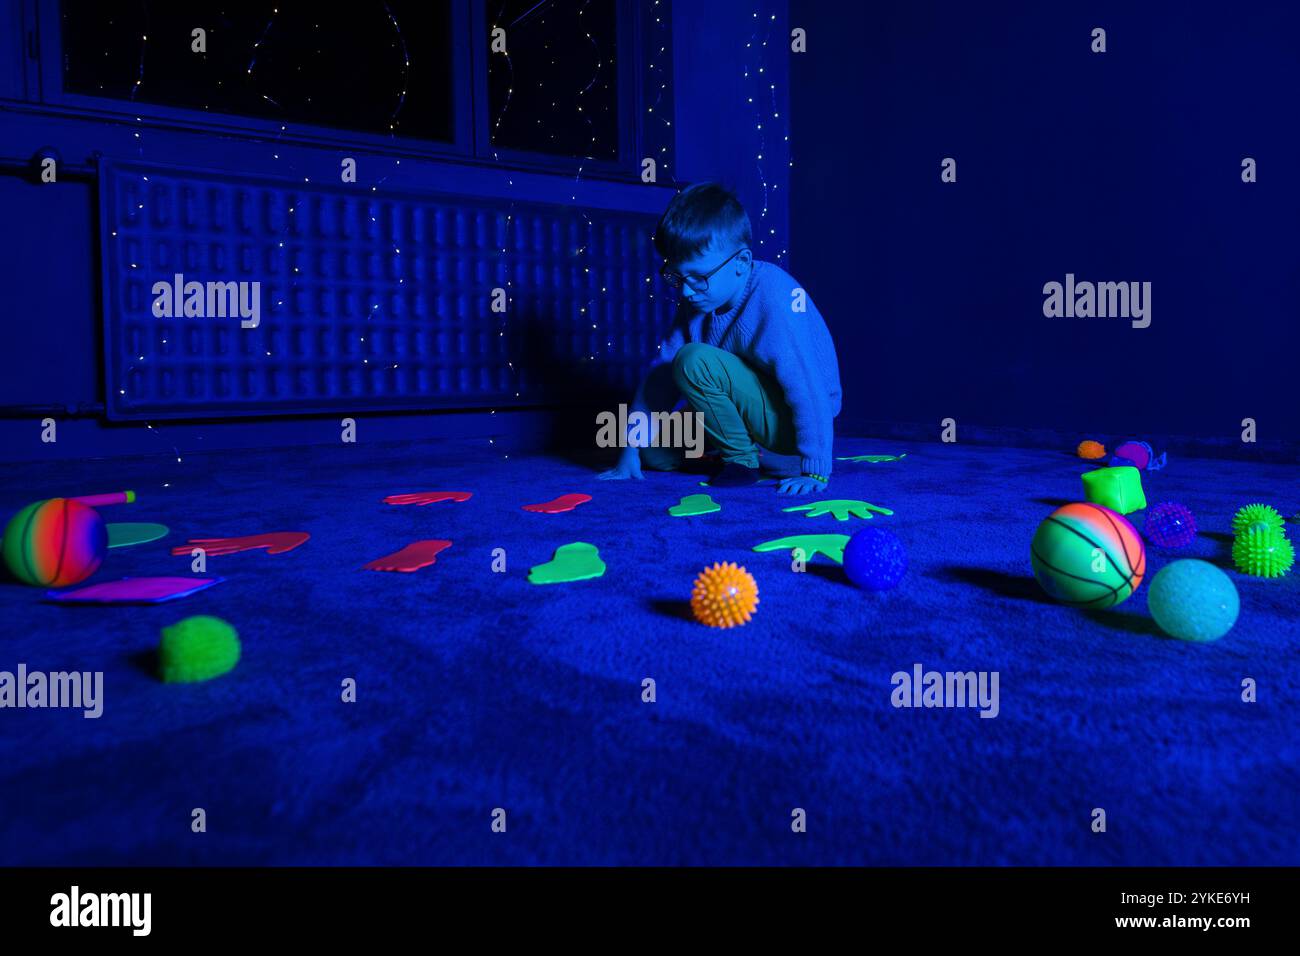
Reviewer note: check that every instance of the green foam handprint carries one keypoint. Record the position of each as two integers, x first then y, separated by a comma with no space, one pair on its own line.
874,458
694,505
831,545
576,561
841,508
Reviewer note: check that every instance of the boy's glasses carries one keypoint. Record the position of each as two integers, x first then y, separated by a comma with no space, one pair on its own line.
700,284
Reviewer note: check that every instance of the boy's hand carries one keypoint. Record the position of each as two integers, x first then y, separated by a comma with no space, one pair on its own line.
802,485
629,466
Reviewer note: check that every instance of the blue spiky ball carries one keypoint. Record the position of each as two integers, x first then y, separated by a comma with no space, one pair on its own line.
1170,525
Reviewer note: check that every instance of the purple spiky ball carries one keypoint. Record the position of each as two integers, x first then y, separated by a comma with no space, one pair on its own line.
1170,525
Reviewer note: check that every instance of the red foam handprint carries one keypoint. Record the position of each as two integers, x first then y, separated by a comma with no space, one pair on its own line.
562,503
427,497
275,542
416,555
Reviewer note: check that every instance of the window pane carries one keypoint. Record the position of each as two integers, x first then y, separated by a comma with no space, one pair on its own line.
556,88
343,66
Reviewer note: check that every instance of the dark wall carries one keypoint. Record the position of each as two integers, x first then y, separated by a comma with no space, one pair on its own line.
1119,166
732,105
51,276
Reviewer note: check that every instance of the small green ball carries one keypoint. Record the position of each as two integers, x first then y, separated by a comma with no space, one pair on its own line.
1263,551
196,649
1249,515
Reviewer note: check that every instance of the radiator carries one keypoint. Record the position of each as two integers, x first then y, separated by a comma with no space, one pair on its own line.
367,301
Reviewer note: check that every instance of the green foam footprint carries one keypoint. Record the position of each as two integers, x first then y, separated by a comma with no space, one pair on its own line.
577,561
694,505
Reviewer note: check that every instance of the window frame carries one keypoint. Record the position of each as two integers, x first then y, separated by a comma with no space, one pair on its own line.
630,95
470,123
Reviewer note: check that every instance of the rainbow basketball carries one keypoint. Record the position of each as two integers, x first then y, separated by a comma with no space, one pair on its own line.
1088,556
55,543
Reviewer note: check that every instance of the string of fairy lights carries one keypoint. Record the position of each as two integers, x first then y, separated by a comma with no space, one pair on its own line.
754,68
656,73
585,308
292,209
257,46
758,68
503,254
392,132
577,176
139,143
393,123
406,69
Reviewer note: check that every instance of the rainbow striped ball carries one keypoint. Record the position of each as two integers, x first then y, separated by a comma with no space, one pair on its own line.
1088,556
55,543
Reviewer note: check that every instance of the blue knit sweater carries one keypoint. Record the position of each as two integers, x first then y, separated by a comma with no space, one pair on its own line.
795,348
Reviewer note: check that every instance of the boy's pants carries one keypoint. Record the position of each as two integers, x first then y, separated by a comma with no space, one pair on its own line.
743,408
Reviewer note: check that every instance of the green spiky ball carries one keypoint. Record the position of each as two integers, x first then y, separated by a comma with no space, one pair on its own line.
1257,514
197,648
1263,551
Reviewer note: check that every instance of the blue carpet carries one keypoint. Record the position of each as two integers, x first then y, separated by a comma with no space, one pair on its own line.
477,690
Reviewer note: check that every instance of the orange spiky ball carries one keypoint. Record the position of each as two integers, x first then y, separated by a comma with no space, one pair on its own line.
1091,450
725,595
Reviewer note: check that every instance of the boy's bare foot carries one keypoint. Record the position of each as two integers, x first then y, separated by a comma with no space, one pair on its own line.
629,466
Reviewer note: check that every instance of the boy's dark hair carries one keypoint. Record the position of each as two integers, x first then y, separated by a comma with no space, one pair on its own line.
698,217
